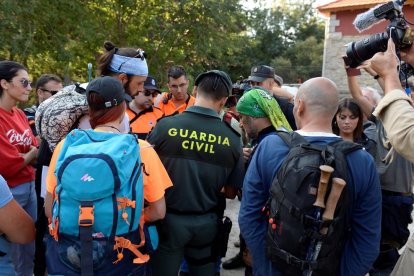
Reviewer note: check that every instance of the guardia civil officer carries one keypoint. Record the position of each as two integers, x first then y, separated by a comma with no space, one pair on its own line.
203,157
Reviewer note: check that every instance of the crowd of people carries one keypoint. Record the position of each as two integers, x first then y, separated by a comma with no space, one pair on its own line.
116,176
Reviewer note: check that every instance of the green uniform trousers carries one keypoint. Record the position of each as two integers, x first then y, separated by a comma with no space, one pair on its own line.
191,236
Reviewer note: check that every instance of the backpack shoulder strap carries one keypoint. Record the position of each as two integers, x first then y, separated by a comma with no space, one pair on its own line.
341,149
80,89
136,139
292,139
346,147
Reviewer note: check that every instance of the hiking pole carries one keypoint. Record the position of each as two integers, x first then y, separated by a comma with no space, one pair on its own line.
323,183
320,202
338,185
89,72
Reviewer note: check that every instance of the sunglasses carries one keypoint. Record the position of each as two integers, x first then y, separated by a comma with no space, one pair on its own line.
25,83
150,93
53,92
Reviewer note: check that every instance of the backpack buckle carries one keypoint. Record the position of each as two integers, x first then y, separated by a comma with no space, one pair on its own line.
86,216
296,262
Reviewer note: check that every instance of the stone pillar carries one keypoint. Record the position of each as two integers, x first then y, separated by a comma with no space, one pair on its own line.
333,66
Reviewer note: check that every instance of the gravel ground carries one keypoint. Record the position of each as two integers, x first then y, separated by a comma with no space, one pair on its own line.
232,211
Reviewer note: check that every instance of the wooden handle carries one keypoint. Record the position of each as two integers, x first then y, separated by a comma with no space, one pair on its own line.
323,183
338,185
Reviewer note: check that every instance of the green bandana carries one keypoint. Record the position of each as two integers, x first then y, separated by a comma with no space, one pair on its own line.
259,103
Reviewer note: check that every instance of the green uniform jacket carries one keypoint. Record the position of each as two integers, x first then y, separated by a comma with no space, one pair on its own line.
201,155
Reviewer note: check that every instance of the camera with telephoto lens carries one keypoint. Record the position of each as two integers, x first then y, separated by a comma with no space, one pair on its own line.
402,35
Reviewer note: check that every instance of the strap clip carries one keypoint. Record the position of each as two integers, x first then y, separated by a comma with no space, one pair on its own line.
86,216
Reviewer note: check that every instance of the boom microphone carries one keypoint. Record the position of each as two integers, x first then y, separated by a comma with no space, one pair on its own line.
374,15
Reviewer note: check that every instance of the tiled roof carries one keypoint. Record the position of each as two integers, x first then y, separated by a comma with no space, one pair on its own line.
343,5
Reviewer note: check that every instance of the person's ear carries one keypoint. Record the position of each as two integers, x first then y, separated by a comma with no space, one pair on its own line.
223,102
123,78
194,91
301,106
4,84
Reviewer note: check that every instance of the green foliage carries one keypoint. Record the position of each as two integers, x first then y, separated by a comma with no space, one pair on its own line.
289,38
62,37
284,68
302,61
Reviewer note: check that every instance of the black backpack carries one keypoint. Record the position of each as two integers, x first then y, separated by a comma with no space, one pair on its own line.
294,232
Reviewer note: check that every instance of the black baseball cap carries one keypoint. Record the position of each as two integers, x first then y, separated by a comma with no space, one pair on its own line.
262,72
151,83
109,88
223,76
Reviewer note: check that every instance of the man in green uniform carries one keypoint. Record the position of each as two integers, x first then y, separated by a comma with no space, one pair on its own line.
203,157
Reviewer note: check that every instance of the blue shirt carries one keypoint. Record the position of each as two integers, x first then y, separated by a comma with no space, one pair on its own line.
5,197
360,250
5,194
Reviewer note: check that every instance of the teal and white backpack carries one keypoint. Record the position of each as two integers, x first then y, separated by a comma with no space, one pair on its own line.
97,211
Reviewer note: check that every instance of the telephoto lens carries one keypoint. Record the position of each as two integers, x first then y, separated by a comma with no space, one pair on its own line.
360,51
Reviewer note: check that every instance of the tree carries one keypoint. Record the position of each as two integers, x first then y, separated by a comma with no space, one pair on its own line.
289,37
63,37
283,67
196,34
47,37
301,62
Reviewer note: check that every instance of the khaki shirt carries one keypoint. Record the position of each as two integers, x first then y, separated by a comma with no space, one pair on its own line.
396,112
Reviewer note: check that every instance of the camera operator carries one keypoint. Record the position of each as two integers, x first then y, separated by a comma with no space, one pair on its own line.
396,109
396,112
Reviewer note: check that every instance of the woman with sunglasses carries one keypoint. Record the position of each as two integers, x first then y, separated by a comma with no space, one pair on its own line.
18,150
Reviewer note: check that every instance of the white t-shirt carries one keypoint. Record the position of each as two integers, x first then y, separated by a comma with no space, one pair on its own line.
123,127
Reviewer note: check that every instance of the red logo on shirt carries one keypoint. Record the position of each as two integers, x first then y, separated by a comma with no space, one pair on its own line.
15,138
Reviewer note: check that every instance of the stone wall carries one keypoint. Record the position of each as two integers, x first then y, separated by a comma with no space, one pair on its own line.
333,66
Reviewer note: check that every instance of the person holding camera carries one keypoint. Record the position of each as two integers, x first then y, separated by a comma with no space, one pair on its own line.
396,112
397,181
